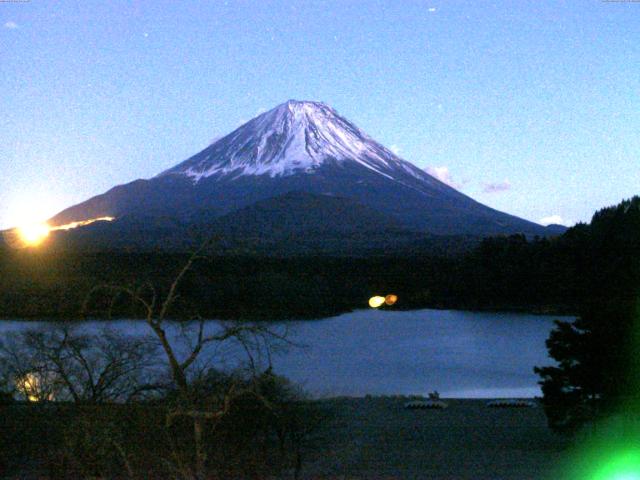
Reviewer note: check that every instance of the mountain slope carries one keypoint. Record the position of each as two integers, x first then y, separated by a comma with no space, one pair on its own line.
303,214
302,147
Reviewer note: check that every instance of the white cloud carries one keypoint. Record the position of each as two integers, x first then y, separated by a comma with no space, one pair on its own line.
395,149
444,175
432,9
553,220
496,187
11,25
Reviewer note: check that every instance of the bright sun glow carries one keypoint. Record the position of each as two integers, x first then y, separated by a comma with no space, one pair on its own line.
33,234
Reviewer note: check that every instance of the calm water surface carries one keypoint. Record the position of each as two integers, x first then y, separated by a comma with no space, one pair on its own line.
460,354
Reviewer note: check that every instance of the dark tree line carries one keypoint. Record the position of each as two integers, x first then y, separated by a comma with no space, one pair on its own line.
508,273
598,355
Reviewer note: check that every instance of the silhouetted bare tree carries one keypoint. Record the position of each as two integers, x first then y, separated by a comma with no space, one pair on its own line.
251,338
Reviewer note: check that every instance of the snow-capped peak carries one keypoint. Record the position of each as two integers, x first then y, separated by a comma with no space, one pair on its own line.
294,137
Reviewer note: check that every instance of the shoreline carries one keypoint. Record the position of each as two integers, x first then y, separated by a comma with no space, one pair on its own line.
542,312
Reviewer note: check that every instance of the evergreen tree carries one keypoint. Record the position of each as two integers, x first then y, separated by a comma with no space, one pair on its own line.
598,354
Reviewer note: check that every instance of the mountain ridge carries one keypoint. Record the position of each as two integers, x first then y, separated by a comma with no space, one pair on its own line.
307,147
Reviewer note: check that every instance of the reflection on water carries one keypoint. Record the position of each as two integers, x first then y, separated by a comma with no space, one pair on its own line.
459,354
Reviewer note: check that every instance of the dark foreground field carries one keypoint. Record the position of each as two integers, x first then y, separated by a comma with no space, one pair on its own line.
353,438
376,438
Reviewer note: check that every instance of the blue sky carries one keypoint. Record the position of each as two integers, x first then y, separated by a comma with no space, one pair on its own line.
531,107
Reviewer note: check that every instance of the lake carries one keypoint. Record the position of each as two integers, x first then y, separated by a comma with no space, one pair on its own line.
381,352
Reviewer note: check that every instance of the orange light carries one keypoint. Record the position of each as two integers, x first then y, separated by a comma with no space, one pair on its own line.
390,299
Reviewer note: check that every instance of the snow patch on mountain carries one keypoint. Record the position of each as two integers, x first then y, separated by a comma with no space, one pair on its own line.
295,137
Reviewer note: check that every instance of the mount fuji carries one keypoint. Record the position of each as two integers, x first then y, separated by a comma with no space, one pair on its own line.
301,162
